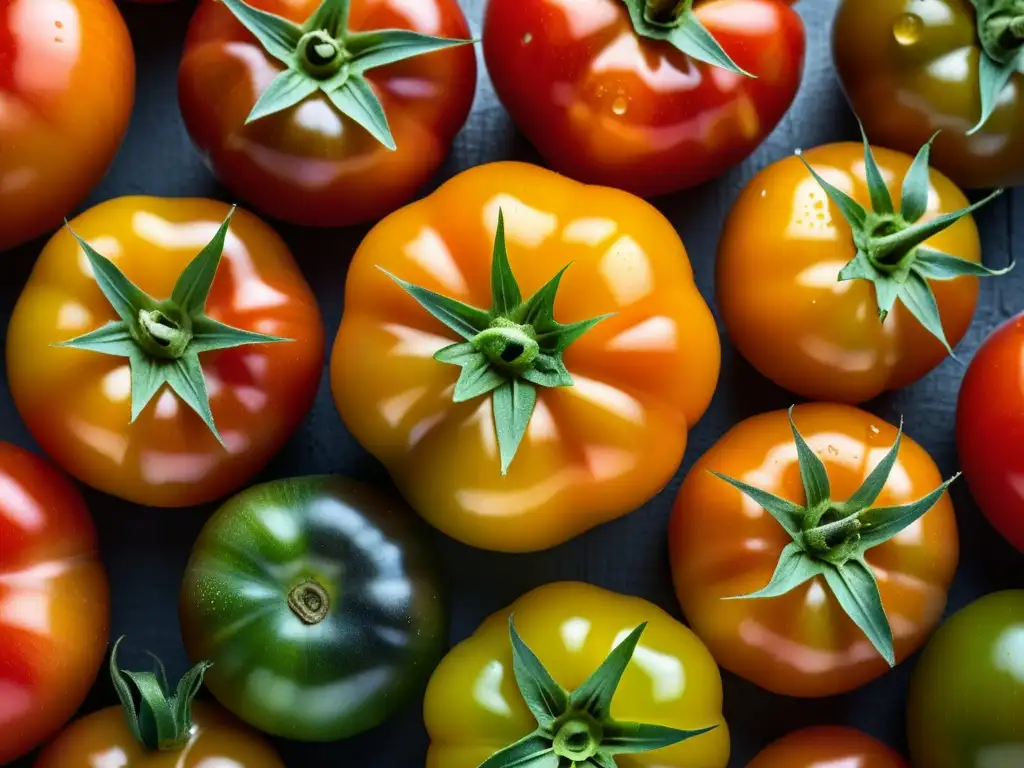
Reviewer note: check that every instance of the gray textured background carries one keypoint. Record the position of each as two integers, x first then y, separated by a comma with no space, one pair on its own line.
146,550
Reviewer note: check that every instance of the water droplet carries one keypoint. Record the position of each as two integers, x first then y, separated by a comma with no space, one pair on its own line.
833,451
527,38
620,105
907,29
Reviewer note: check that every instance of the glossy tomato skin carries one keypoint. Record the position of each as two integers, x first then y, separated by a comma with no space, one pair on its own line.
779,259
967,693
385,610
310,165
606,106
910,69
53,629
824,746
217,739
473,706
722,545
990,429
258,394
67,85
594,451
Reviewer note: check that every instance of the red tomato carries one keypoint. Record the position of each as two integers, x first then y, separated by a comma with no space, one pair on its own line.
54,602
990,429
606,106
309,164
828,747
67,84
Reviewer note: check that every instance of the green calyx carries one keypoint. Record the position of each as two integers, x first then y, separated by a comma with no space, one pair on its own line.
509,350
889,243
323,55
162,719
1001,32
163,339
674,22
830,539
575,729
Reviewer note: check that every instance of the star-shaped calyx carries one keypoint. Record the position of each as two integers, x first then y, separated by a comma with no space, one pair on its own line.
830,538
575,729
889,243
674,22
1001,31
323,55
163,339
509,350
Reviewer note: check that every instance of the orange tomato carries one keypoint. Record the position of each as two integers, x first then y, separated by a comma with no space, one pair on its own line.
778,290
77,404
55,603
217,739
723,545
592,451
824,746
67,85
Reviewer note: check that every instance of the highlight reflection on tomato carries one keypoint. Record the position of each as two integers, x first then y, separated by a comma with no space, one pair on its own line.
67,85
828,747
53,626
258,394
606,105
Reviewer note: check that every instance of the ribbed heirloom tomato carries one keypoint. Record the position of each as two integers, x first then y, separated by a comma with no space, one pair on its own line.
837,532
849,274
638,94
67,84
153,373
563,416
53,626
329,112
827,747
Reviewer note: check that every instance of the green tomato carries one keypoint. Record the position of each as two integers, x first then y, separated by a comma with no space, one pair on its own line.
967,695
318,604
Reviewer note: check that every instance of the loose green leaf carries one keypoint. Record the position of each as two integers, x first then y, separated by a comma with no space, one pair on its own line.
881,200
851,210
882,523
994,77
632,738
505,293
331,16
465,320
192,288
477,378
289,88
936,265
457,354
534,751
185,377
114,338
381,47
546,699
789,515
124,296
278,36
795,567
513,404
357,100
548,371
917,297
596,694
209,335
856,589
812,469
917,185
875,482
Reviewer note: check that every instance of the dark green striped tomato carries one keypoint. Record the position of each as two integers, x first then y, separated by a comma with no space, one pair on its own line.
319,605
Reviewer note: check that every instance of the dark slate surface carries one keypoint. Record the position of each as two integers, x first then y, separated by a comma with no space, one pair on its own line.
146,550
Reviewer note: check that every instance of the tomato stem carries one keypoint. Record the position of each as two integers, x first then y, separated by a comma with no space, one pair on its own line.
161,335
309,601
667,11
320,55
577,739
508,346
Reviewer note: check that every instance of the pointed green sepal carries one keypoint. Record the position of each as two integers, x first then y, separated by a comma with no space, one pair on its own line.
162,340
357,100
284,92
510,350
382,47
161,721
331,17
830,538
812,468
1001,33
576,729
278,36
881,200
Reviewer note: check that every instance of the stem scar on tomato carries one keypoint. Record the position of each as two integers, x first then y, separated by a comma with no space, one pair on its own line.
577,727
163,339
324,55
830,538
889,242
510,350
